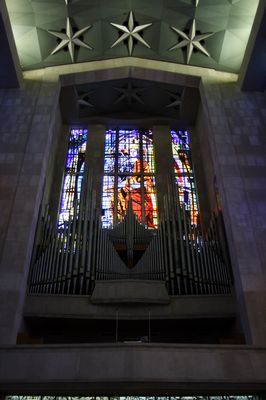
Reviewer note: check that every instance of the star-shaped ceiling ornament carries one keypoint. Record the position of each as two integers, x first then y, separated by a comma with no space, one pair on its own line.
130,32
129,93
83,99
176,100
191,41
70,39
196,3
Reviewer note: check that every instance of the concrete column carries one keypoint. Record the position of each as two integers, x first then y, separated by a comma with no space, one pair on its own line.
163,161
95,158
27,121
236,125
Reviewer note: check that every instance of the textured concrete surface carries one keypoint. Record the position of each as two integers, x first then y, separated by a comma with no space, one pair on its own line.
27,128
132,369
131,291
218,306
236,123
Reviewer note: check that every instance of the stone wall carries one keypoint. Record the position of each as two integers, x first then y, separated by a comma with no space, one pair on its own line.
132,369
27,122
237,126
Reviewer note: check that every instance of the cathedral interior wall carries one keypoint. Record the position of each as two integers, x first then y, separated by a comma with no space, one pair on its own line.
236,123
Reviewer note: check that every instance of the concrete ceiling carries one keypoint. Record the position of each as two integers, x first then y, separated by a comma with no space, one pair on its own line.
129,99
206,33
253,69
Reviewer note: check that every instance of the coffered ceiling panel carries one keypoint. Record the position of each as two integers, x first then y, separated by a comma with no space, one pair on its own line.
208,33
129,99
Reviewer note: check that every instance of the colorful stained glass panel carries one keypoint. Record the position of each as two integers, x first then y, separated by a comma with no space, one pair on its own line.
184,174
129,160
74,172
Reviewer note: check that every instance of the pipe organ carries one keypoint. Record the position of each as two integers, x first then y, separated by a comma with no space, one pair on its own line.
70,259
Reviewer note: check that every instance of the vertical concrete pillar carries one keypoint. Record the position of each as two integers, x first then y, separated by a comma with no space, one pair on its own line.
235,122
95,158
27,122
163,161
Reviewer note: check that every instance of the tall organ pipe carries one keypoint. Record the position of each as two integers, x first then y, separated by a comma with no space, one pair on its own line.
174,214
192,253
72,247
62,257
78,239
92,199
66,254
189,270
56,261
169,242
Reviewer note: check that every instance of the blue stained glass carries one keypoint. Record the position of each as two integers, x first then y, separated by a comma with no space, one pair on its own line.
184,174
74,173
128,157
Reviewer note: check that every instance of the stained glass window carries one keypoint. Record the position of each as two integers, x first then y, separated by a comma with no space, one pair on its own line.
74,172
129,174
184,174
194,397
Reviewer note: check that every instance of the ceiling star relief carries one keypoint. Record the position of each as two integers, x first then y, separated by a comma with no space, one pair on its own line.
70,39
129,93
83,99
191,41
176,102
130,32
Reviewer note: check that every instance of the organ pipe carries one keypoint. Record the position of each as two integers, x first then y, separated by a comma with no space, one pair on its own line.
71,258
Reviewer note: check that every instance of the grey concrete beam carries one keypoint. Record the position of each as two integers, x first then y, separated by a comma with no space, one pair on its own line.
130,369
51,306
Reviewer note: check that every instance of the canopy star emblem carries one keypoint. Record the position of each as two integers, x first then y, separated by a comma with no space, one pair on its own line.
177,100
196,3
83,99
130,32
129,93
70,39
191,40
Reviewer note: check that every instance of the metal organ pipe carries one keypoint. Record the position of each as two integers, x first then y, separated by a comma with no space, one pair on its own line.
192,254
81,252
215,250
188,269
57,259
169,242
175,236
72,246
84,241
79,241
62,257
96,234
91,199
214,270
183,271
50,265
